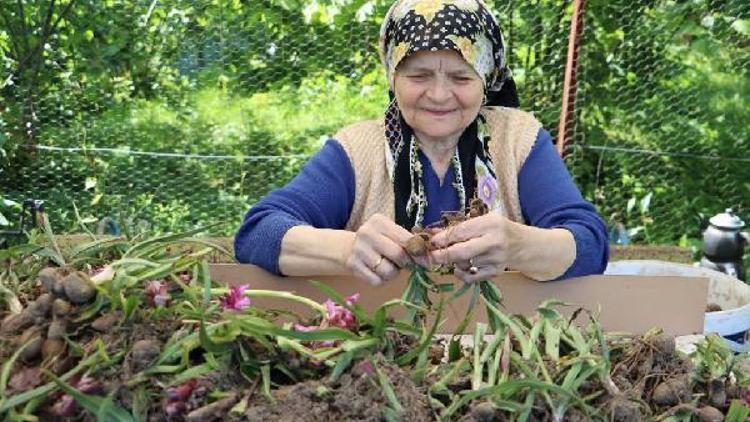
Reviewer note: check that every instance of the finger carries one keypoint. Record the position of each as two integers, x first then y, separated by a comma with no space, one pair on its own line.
483,273
459,252
385,246
391,230
361,270
423,261
459,233
386,270
464,265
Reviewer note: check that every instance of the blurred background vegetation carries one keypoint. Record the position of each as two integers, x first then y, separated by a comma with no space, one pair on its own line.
167,114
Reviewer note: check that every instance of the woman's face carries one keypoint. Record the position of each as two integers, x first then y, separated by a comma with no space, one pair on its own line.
439,94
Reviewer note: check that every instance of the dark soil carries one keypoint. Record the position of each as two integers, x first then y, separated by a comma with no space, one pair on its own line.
355,396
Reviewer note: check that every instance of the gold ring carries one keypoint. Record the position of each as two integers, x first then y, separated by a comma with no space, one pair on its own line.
380,261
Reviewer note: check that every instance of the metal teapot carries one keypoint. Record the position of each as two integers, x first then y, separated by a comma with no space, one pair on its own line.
724,244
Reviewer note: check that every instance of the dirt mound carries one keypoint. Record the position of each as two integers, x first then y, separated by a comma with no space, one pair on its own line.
356,395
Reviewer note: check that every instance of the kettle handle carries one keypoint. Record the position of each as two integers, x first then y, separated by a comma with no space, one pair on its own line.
702,221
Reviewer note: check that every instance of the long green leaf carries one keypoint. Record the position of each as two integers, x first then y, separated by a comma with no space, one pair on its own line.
454,346
344,361
552,340
145,247
13,401
204,278
190,373
426,338
102,407
388,392
206,342
98,246
8,366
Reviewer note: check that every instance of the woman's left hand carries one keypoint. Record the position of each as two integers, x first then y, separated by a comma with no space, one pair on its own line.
481,247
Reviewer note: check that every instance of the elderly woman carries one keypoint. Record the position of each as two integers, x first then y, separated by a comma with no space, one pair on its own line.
446,139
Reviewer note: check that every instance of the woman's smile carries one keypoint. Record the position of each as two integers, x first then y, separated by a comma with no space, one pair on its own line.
439,95
439,112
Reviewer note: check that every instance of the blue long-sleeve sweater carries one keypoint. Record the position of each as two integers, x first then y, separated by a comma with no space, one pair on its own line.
322,196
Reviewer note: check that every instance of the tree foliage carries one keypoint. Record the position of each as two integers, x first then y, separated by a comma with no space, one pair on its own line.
661,89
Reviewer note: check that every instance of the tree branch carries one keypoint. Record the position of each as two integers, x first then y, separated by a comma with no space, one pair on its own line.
24,26
16,54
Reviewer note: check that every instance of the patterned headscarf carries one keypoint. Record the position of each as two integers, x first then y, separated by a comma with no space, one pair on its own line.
467,27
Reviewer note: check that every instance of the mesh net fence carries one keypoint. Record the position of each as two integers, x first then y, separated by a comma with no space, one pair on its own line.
165,115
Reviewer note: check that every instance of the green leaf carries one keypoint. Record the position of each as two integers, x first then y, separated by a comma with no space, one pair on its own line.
426,340
552,341
102,407
630,205
7,366
89,183
742,26
204,278
454,346
206,341
265,372
3,221
130,305
190,373
738,412
20,251
92,310
388,392
645,203
147,246
344,361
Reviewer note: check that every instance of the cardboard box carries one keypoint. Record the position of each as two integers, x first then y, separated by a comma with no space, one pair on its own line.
632,304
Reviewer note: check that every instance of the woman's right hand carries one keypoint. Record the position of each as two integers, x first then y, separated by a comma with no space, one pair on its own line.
377,253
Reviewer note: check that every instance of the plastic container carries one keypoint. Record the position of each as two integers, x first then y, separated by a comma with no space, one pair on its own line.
731,294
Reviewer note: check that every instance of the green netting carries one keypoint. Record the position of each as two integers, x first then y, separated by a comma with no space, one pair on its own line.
169,114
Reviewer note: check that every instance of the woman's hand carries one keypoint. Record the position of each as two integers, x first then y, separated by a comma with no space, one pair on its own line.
481,247
377,253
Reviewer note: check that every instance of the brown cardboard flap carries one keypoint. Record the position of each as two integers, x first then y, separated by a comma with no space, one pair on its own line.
627,303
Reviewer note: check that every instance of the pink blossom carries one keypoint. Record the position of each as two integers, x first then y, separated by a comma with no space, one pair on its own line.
339,316
235,300
156,293
305,328
175,408
96,270
66,405
366,367
487,189
181,392
315,344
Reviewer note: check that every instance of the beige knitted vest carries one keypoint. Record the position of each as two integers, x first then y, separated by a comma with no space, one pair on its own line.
513,134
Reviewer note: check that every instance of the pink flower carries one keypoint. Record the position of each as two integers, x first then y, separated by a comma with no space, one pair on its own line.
339,316
156,293
315,344
487,189
181,392
66,405
305,328
96,270
235,300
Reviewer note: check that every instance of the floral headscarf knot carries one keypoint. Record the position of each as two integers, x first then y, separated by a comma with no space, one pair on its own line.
469,28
